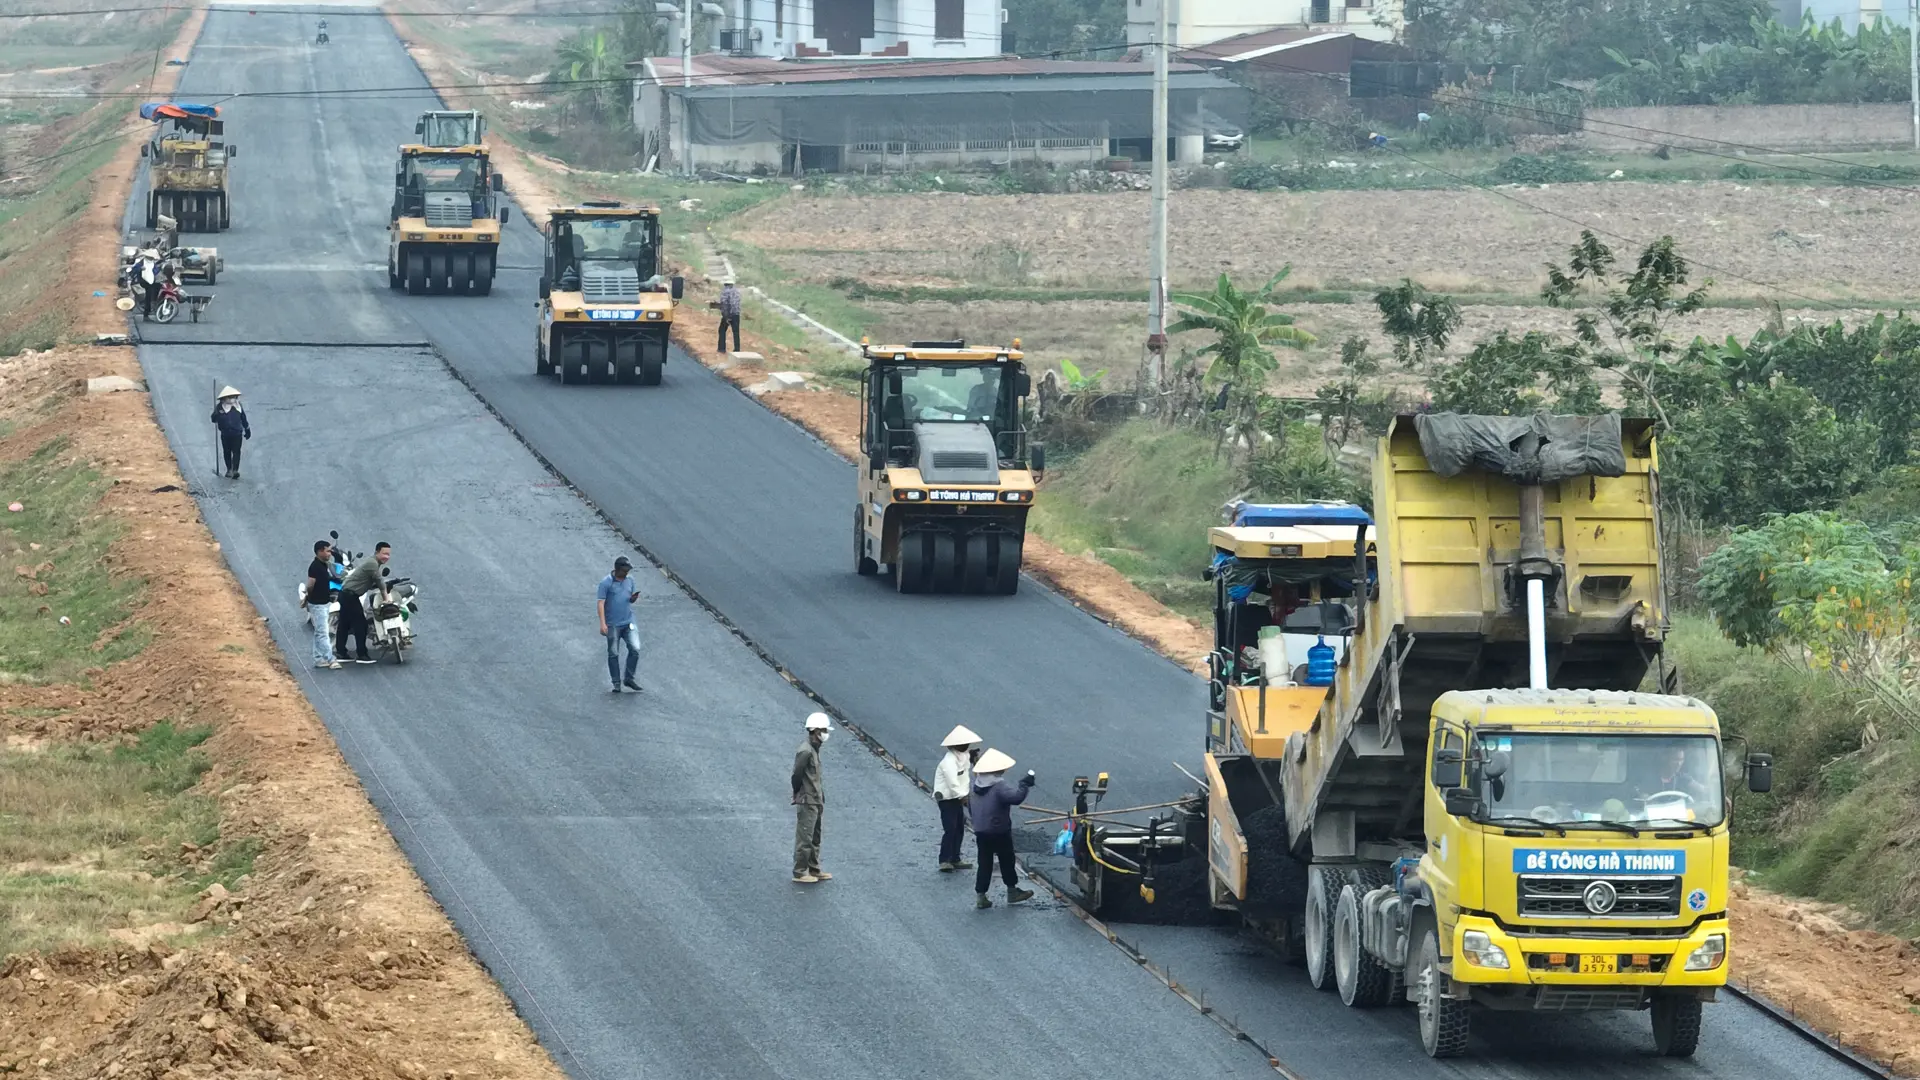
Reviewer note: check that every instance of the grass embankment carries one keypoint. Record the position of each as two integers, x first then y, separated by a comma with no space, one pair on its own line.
91,836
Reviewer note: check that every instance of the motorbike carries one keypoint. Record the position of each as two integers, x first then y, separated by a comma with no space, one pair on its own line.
172,298
321,39
389,618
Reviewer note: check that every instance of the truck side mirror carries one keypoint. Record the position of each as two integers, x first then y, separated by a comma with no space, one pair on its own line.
876,457
144,148
1448,769
1461,802
1038,455
1022,383
506,214
419,127
1760,773
679,287
498,184
545,289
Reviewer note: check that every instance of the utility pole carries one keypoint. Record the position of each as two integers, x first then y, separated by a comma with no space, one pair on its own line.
686,88
1913,65
1157,272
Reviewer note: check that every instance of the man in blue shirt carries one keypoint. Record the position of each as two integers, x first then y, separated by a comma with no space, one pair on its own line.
617,595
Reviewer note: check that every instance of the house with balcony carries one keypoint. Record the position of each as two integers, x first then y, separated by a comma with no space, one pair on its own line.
920,29
1193,23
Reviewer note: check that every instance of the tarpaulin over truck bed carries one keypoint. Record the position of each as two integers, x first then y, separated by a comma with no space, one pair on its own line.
167,110
1569,446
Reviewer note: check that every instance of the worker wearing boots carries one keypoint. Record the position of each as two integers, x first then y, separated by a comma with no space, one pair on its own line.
950,782
993,803
809,800
231,421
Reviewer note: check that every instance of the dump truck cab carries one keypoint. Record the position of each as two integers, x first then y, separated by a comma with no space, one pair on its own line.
449,210
949,473
606,311
187,158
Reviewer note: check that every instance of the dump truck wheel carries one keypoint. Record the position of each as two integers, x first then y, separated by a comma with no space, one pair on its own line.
1006,565
1443,1020
862,565
946,562
978,565
1323,889
910,566
416,273
1676,1025
483,264
1363,983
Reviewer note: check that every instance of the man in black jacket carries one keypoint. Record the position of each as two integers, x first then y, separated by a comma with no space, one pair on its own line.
231,419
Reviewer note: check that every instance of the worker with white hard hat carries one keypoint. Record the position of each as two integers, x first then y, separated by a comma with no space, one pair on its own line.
993,802
810,799
950,780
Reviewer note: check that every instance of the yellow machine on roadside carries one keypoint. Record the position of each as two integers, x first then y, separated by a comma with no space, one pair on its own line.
1418,807
443,235
187,166
606,313
949,474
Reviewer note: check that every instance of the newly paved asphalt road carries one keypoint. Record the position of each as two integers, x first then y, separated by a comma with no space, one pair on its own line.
625,866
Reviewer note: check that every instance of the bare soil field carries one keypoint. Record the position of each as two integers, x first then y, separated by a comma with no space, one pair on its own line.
1828,243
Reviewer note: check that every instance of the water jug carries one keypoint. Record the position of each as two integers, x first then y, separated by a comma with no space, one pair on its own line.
1320,663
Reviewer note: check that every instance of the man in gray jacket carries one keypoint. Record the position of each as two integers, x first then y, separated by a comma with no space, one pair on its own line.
809,799
993,803
361,580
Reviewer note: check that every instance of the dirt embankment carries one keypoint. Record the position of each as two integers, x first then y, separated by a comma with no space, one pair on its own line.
329,959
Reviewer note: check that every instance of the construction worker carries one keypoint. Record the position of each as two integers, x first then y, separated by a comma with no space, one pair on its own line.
616,599
993,803
950,781
729,305
364,578
810,800
231,420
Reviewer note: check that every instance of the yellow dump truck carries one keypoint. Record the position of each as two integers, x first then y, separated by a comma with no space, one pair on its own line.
1429,764
949,475
449,210
187,166
606,312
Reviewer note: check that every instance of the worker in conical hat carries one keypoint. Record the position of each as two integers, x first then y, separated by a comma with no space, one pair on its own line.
950,780
993,803
231,420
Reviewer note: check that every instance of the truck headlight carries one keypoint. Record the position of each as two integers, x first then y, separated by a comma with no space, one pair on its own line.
1480,949
1710,955
416,236
908,495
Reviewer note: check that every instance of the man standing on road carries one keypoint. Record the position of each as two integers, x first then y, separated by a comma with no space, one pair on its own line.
810,800
729,305
361,580
231,420
318,595
993,803
617,595
950,781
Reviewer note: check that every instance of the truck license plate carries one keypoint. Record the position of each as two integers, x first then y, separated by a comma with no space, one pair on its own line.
1599,964
450,236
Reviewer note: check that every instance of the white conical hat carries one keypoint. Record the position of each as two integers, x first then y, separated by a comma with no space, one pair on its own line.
960,736
993,761
226,392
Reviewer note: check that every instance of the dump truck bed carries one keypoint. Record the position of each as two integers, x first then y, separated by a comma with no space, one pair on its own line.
1445,615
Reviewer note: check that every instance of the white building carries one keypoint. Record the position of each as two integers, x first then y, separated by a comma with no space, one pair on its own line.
919,29
1192,23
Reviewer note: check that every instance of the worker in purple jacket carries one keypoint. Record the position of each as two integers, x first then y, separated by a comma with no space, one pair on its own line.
992,805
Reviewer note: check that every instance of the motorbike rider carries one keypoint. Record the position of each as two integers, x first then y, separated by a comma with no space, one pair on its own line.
365,577
322,38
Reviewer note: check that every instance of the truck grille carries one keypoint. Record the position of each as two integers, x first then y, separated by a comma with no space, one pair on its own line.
960,459
1550,896
607,285
447,210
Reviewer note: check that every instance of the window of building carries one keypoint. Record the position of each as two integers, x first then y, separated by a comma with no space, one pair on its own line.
949,19
779,18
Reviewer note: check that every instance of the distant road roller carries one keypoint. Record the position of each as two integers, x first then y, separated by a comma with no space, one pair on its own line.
187,166
949,473
606,312
443,235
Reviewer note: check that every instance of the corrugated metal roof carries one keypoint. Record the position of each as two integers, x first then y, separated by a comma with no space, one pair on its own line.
714,69
1130,82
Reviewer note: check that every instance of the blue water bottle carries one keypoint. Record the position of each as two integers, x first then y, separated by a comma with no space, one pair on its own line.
1320,663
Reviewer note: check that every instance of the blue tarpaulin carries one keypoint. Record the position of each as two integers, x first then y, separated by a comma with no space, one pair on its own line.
1282,515
176,110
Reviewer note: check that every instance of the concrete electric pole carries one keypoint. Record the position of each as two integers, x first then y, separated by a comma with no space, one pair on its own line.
1157,272
686,88
1913,65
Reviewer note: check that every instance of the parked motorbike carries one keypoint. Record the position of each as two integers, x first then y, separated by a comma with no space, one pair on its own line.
172,297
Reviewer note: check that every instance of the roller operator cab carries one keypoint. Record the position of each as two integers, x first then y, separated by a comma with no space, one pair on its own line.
187,166
1403,787
606,312
948,475
449,210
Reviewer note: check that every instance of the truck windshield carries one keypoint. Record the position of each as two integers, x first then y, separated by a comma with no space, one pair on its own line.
443,172
936,393
1640,780
625,240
